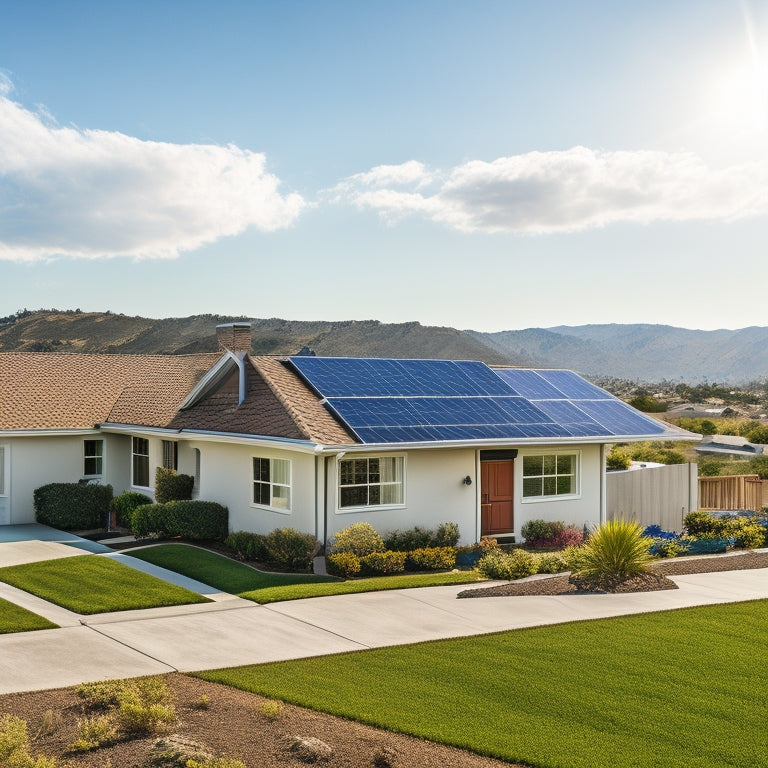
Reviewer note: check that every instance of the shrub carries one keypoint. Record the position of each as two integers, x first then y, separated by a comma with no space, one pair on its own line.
287,548
247,546
344,564
359,538
171,486
705,524
539,530
14,745
380,563
446,535
617,460
648,404
710,467
498,564
615,551
750,535
72,506
551,562
124,504
570,536
468,556
758,465
93,732
431,559
669,548
555,534
190,519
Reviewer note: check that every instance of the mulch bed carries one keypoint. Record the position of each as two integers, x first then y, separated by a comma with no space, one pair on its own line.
233,725
564,584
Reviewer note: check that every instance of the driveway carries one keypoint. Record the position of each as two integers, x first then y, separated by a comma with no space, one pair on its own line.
232,631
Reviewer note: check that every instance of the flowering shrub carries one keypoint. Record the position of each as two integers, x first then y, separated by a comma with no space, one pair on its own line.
344,564
551,535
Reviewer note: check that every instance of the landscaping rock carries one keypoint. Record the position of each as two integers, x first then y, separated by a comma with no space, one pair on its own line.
177,750
309,749
385,757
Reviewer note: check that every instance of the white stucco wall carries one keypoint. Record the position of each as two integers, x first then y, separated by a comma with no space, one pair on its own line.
434,494
226,476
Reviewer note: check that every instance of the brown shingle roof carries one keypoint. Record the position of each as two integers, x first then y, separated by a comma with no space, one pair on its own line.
55,391
77,391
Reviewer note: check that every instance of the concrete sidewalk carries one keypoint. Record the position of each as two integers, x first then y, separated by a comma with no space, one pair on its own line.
235,632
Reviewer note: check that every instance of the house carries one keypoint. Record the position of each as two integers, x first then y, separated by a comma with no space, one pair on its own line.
317,443
729,445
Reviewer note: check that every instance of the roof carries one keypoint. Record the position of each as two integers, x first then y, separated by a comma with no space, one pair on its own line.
61,391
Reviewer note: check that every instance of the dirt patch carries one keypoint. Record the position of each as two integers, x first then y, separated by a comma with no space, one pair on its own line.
238,725
656,579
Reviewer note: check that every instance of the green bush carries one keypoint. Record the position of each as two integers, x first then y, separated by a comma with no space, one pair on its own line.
93,732
380,563
344,564
72,506
359,538
171,486
124,504
289,549
498,564
710,467
750,535
615,551
247,545
617,459
669,548
431,559
705,524
190,519
14,746
648,404
446,535
551,562
759,466
538,530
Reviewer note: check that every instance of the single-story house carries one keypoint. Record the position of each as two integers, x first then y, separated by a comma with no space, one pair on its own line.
729,445
317,443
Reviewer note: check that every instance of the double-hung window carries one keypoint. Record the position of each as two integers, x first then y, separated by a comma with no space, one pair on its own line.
140,465
93,458
550,474
272,483
170,454
371,482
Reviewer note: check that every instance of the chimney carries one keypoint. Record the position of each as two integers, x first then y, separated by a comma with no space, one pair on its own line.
234,337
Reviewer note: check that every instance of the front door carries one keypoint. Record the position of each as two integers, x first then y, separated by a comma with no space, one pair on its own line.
496,497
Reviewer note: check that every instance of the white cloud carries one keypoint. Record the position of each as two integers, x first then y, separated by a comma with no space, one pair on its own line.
577,189
92,194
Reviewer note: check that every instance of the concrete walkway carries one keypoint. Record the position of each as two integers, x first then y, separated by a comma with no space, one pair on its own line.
231,631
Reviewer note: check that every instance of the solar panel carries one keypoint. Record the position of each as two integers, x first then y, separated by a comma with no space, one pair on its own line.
404,401
529,384
573,386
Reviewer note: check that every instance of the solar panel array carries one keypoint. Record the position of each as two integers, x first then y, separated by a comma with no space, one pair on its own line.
405,401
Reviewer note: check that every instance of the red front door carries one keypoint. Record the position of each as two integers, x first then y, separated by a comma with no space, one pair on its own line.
496,497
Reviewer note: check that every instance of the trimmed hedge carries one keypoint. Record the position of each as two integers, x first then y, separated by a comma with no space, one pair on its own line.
124,504
380,563
190,519
283,548
359,538
171,486
72,506
247,545
344,564
446,535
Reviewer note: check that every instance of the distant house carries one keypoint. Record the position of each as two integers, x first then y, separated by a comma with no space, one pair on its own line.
731,445
700,411
317,443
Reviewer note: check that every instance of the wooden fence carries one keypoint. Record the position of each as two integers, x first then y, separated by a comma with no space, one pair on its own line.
654,495
735,492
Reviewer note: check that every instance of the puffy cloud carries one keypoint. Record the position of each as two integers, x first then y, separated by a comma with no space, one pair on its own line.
92,194
577,189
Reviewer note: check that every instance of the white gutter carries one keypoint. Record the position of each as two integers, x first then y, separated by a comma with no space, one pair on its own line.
49,432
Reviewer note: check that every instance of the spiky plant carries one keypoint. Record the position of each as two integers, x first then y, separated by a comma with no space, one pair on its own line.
615,551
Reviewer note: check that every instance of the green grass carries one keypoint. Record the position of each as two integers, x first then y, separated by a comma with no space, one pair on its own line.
91,584
230,576
14,618
675,689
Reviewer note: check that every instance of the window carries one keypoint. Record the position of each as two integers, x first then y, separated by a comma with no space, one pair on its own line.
2,470
196,486
140,473
551,474
272,483
170,454
93,457
371,482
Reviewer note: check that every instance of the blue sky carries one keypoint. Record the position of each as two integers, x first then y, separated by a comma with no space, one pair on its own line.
486,165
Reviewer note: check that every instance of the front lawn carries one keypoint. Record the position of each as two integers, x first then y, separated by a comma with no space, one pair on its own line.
14,618
93,584
676,689
263,587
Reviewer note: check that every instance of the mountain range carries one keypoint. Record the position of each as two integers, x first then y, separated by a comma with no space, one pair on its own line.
641,352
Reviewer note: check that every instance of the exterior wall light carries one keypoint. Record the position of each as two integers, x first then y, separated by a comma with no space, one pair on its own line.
467,480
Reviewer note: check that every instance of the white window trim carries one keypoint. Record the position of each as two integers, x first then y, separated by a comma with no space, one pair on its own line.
149,463
555,497
269,507
103,455
370,507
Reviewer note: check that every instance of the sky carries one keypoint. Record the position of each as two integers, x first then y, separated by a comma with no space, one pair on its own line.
489,165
